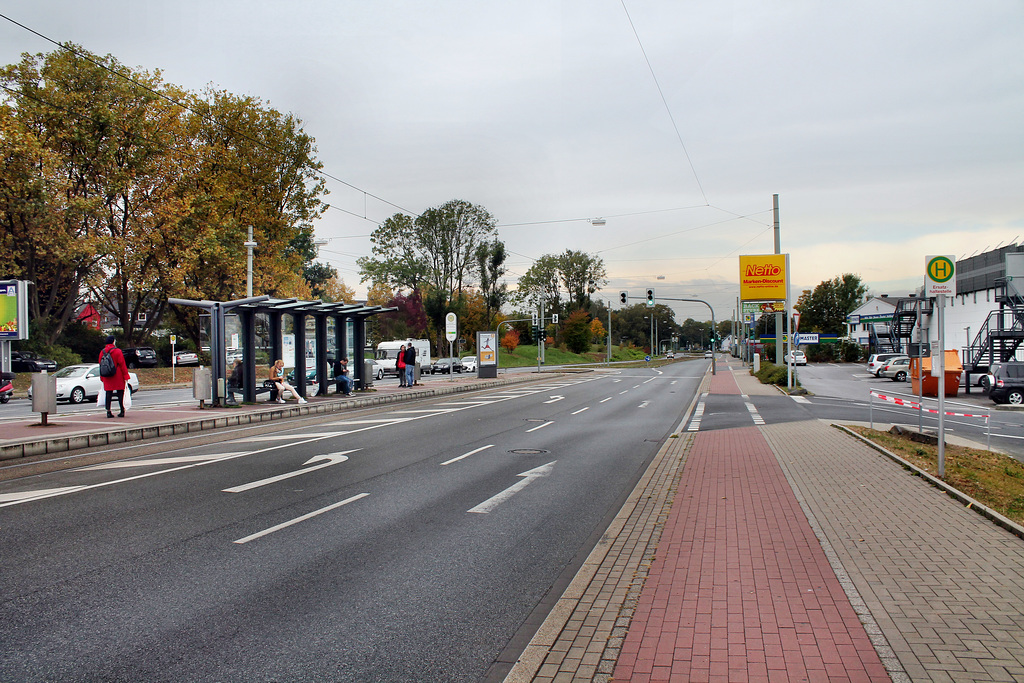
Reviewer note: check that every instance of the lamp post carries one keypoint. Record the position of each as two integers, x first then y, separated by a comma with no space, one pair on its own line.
249,245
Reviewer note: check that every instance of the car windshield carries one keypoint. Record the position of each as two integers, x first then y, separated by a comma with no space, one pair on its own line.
72,371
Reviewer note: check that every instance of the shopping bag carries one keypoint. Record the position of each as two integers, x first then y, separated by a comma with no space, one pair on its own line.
101,397
127,397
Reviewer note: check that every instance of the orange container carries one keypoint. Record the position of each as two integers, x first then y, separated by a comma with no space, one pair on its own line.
931,384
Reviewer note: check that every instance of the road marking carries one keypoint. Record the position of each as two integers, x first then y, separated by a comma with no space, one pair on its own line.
529,476
289,437
325,460
539,427
638,386
122,464
698,414
644,404
303,518
758,420
466,455
606,399
580,410
22,496
623,392
800,399
555,399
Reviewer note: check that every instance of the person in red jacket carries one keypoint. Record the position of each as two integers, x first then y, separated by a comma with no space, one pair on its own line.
116,383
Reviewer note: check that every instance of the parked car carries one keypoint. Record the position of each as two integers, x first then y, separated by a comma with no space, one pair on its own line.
709,354
77,383
139,357
796,358
898,369
469,364
446,366
877,360
185,358
1007,383
27,361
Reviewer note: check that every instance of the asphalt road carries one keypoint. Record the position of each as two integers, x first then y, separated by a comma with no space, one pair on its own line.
417,543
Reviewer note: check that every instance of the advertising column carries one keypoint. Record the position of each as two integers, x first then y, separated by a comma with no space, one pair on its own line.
487,354
13,318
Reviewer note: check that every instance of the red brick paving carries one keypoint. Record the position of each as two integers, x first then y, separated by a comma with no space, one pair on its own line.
740,589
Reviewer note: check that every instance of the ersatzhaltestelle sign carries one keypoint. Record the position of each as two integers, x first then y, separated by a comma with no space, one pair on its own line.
763,277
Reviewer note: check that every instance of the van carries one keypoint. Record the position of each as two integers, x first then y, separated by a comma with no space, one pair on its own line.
387,354
1007,383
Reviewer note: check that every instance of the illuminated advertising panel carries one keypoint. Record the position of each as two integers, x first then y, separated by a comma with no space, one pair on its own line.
763,277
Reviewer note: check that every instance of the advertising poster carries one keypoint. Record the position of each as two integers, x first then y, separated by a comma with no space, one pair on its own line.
12,319
488,348
763,277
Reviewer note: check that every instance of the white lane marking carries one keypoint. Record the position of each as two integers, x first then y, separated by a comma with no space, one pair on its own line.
288,437
466,455
651,380
638,386
800,399
580,410
23,496
698,414
555,399
616,380
325,460
539,427
758,420
644,404
672,382
606,399
123,464
529,476
303,518
623,392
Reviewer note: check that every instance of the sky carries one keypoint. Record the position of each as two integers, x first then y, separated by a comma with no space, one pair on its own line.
890,130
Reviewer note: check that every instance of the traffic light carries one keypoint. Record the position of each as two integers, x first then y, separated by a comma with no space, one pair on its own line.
650,298
538,334
623,296
554,318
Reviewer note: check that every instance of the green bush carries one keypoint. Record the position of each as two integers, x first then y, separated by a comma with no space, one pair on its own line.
770,373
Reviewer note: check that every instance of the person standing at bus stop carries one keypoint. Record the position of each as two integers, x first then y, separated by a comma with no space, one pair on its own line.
400,366
410,365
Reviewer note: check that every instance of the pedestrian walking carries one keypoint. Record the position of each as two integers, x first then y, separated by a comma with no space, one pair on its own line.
113,374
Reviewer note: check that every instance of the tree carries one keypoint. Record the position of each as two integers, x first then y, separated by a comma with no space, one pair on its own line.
511,340
582,275
597,331
540,284
576,332
490,258
577,273
825,309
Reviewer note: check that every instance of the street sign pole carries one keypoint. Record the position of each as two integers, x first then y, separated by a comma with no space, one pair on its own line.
940,281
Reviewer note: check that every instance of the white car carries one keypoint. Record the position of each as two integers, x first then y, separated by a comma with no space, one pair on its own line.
877,361
469,364
76,383
796,358
709,354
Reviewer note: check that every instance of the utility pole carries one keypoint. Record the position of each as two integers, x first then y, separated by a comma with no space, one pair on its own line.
778,314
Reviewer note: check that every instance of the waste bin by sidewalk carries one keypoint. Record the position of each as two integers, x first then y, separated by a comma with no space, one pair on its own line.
44,393
367,373
951,381
202,383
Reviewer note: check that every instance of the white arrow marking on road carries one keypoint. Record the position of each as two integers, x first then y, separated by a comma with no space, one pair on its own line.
555,399
324,460
644,404
529,476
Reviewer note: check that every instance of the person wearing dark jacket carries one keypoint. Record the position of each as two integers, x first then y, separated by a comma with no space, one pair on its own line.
115,384
410,365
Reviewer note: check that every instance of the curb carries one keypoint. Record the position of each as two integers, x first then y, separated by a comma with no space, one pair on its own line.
82,440
981,509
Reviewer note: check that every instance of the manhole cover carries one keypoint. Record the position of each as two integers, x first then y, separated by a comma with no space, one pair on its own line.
528,451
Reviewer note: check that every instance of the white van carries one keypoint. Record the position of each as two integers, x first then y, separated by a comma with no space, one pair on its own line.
387,354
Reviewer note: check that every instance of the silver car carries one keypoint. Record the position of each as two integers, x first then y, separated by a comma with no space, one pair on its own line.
76,383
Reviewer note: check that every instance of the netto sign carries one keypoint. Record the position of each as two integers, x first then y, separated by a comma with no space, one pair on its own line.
763,277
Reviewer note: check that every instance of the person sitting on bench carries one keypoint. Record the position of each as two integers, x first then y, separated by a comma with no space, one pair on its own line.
343,383
235,380
277,377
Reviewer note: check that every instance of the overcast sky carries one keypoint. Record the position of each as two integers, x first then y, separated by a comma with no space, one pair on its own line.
890,130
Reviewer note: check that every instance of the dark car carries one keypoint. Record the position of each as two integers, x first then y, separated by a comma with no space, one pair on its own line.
1007,383
140,357
26,361
446,365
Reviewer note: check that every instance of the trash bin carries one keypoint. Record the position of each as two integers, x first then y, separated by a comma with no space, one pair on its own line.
44,393
367,373
951,381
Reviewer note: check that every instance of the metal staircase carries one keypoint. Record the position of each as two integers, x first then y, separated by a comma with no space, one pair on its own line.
879,339
904,319
999,339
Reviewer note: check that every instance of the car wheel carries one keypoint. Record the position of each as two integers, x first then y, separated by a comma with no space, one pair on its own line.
984,382
900,377
1015,398
77,395
380,375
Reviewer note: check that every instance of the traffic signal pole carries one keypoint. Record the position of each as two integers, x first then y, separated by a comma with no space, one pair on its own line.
624,296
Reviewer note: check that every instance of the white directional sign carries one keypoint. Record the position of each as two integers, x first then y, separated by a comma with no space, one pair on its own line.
325,460
529,476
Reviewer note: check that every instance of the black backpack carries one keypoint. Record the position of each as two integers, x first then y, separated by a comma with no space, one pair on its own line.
107,366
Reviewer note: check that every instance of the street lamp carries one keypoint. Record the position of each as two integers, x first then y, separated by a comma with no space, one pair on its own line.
250,245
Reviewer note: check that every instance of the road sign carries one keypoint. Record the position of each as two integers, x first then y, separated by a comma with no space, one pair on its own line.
940,275
451,326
